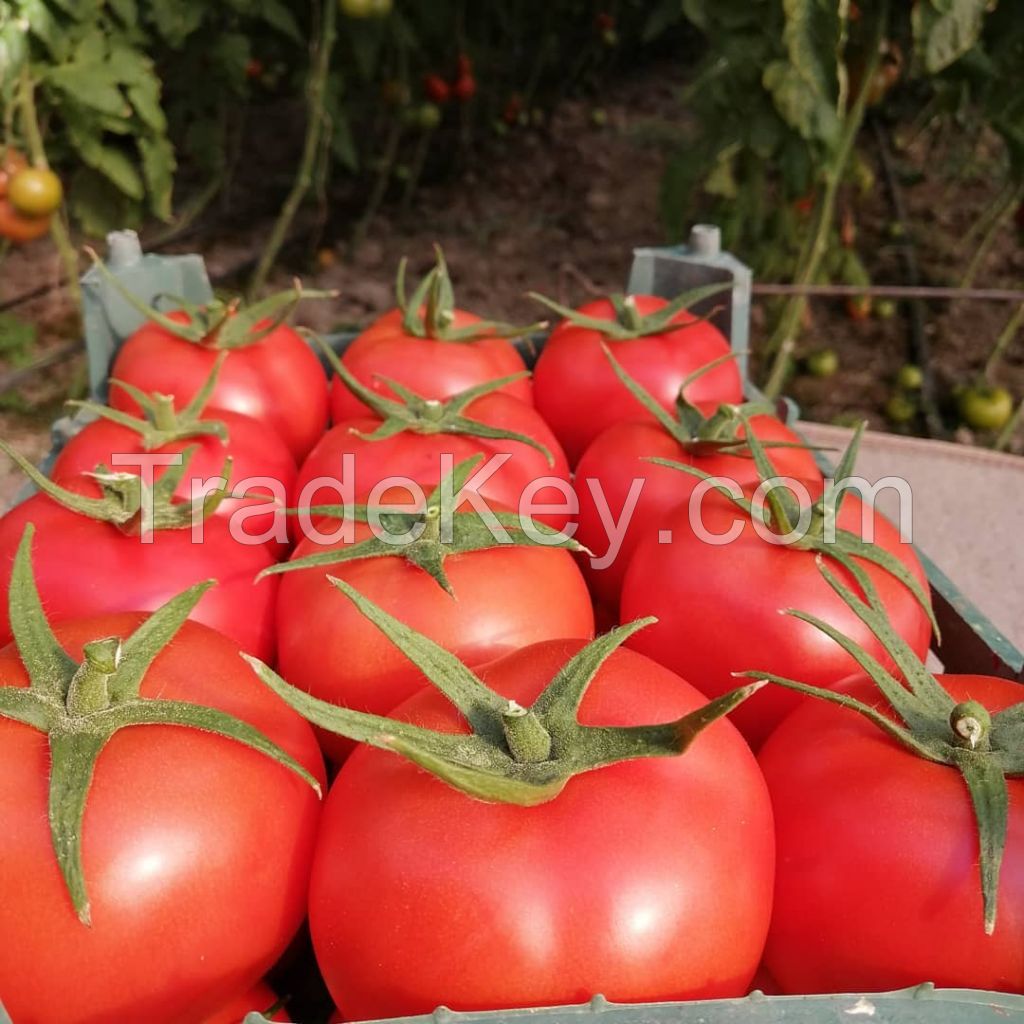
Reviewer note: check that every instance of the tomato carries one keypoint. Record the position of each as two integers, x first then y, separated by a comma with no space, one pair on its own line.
428,116
35,192
858,307
436,88
878,884
429,366
277,379
196,849
718,605
256,449
578,393
609,887
885,309
417,457
910,377
464,87
11,162
260,998
541,596
900,408
365,8
985,408
85,567
618,457
822,363
19,228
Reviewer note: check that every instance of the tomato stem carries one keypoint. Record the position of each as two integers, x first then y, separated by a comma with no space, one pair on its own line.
528,741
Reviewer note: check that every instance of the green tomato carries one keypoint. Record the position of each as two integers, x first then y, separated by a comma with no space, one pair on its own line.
429,116
35,192
822,363
984,407
885,309
900,408
909,378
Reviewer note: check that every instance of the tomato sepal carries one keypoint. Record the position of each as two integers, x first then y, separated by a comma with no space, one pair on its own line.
80,706
514,755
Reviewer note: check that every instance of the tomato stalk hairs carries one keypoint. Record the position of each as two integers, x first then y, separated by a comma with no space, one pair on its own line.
781,514
427,415
217,324
80,705
126,499
163,424
437,530
430,311
513,755
629,322
984,748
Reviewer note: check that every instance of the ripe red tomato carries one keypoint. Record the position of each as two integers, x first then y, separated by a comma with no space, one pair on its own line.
174,845
877,883
578,393
257,451
277,379
417,456
464,87
436,89
619,456
718,606
259,998
541,595
19,228
87,567
429,366
609,887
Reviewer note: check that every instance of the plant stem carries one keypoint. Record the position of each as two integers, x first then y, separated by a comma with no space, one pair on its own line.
783,339
380,186
1007,207
316,122
1008,333
1006,435
34,140
419,159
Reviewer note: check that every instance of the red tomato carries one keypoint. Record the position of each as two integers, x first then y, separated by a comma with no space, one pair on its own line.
175,847
718,606
618,456
429,366
19,228
256,449
578,393
417,457
278,379
259,998
436,89
878,885
608,888
541,596
464,87
86,567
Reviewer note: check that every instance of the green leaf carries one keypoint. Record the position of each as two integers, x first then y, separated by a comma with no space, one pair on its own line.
176,20
98,206
88,85
158,166
944,30
278,16
663,16
144,96
126,11
113,163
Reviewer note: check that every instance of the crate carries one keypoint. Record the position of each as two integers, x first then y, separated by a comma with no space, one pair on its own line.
970,641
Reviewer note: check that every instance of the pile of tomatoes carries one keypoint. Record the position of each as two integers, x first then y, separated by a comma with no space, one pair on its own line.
793,847
29,196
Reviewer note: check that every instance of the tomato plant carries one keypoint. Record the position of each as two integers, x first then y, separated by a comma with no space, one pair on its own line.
616,481
444,586
983,407
708,589
659,343
270,373
431,347
96,552
900,826
35,192
126,847
586,880
212,436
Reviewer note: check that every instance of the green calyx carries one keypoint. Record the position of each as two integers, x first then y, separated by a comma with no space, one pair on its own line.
80,705
127,502
162,423
420,415
218,324
430,311
513,754
426,537
985,748
629,322
813,529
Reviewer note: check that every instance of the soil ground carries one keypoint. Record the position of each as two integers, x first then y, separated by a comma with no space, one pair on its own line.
559,210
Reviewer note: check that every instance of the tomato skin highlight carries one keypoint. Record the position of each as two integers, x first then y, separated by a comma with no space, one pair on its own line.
505,598
430,367
257,450
719,605
619,455
86,567
610,887
174,848
278,380
877,880
578,393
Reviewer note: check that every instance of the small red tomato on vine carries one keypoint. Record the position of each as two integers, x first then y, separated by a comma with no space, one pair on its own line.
858,307
804,204
437,90
464,87
513,107
18,229
35,192
604,22
254,68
